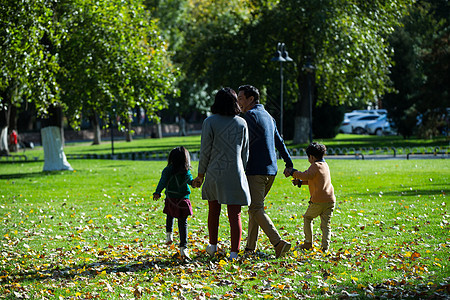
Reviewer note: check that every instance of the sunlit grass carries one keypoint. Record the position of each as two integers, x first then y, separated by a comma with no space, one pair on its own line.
96,233
360,143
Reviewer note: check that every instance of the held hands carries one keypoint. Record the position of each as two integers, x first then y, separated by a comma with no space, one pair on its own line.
198,181
156,196
290,172
287,172
297,182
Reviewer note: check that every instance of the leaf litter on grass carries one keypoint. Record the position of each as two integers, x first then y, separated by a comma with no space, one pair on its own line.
111,248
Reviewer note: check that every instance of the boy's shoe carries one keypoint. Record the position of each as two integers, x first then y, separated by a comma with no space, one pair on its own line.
281,248
184,253
233,255
169,238
211,249
306,246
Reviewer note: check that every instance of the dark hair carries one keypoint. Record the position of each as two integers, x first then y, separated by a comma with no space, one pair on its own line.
317,150
225,103
180,160
250,90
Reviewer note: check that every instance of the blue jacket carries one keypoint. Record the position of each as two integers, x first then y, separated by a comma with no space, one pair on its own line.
263,140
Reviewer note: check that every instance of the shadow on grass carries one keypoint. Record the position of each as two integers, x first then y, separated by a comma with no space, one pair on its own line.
22,175
31,174
357,141
134,149
403,192
422,192
145,263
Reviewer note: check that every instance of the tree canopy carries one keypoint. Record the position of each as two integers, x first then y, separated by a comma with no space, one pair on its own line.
28,64
113,59
108,56
347,41
420,74
104,57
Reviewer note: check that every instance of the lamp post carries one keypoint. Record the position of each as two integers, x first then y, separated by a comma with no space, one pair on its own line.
112,136
281,55
309,69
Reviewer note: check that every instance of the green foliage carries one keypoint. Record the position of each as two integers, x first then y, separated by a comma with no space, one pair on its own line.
113,59
346,40
96,233
28,62
420,71
101,58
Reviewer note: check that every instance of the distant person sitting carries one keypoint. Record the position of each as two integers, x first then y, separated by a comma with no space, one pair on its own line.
13,141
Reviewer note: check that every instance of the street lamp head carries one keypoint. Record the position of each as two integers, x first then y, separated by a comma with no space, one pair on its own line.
278,57
282,55
285,55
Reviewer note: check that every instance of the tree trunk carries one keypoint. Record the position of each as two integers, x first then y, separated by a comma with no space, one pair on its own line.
301,127
97,131
4,149
158,130
53,142
4,125
303,118
301,130
54,157
128,132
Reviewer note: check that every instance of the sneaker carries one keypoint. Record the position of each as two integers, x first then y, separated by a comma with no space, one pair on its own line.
306,246
211,249
184,253
281,248
169,238
233,255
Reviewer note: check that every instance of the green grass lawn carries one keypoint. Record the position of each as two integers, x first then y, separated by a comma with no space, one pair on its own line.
96,233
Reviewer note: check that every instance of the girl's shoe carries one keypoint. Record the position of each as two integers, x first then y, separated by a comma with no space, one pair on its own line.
211,249
233,255
184,252
169,238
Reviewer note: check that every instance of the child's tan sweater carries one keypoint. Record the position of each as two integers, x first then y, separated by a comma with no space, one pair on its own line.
319,181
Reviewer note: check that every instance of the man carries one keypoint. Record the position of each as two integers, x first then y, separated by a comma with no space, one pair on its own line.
261,168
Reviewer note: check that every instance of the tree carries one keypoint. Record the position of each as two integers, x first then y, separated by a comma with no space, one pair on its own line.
197,31
81,57
420,72
345,39
27,65
347,44
113,60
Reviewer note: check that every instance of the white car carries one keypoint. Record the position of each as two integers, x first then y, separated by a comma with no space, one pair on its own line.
371,111
346,126
382,126
357,123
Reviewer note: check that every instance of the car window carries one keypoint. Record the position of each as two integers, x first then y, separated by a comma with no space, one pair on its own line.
369,118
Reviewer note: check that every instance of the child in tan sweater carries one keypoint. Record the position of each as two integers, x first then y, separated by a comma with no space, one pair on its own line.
322,200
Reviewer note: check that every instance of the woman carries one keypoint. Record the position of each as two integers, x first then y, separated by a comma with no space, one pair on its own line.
223,157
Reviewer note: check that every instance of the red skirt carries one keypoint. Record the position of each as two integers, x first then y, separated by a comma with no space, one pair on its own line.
177,207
